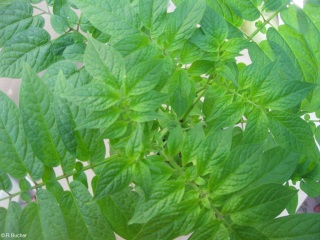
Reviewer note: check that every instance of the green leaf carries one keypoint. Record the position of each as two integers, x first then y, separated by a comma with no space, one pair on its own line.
144,77
214,26
114,18
136,49
214,150
279,95
153,15
61,8
15,18
293,47
277,166
182,92
75,52
31,46
192,144
175,141
50,77
172,222
246,233
135,145
94,96
39,123
212,230
162,196
16,157
183,22
115,176
310,187
83,143
104,62
11,220
35,222
272,6
230,116
292,133
142,177
244,9
58,24
118,209
259,204
238,171
83,217
302,22
294,227
148,101
256,127
5,182
100,119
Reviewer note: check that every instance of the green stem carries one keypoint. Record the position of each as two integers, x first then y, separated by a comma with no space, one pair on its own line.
91,166
200,93
263,25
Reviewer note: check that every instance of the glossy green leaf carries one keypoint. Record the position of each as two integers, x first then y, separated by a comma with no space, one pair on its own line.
62,8
258,204
114,18
135,49
82,143
135,145
175,141
300,21
295,49
153,15
256,127
10,220
148,101
238,171
118,209
277,166
35,222
5,182
172,222
162,195
115,176
230,116
292,133
192,143
212,230
245,9
144,77
182,92
103,62
84,218
31,46
39,122
58,24
270,6
100,119
294,227
16,156
214,150
246,233
15,18
310,187
183,21
214,26
279,95
94,96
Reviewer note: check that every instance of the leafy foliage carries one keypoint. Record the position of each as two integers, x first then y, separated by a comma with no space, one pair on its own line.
198,142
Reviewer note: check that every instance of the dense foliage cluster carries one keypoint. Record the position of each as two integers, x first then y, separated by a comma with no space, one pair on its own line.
198,143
